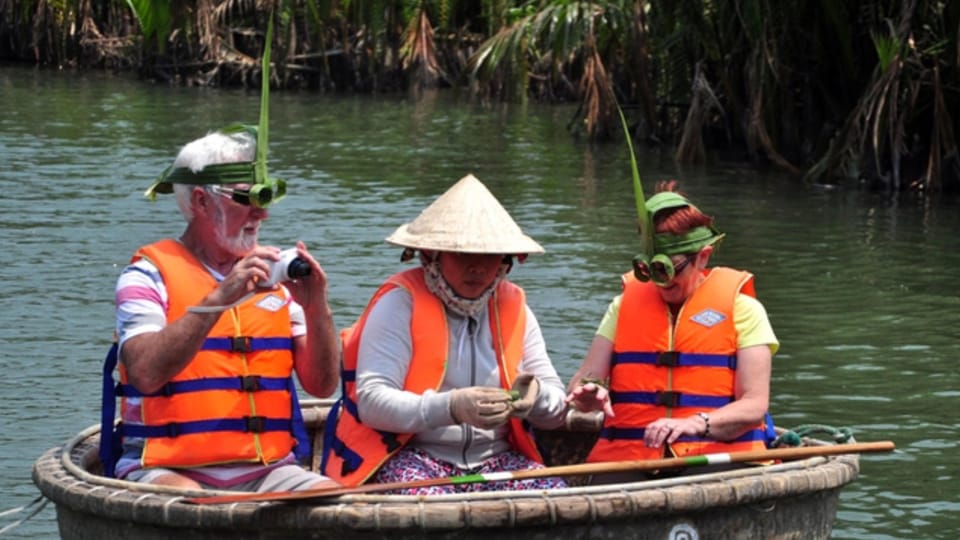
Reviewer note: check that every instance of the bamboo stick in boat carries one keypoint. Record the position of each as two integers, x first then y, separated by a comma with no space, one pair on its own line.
782,454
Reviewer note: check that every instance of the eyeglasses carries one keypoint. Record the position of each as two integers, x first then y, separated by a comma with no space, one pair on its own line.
258,196
683,264
661,269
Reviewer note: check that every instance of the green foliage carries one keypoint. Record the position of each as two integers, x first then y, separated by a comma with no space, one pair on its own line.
888,49
566,39
824,87
154,18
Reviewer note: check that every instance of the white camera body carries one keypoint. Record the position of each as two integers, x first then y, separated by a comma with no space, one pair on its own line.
290,266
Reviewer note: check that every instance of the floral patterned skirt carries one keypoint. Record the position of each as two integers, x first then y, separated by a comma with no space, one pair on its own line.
411,464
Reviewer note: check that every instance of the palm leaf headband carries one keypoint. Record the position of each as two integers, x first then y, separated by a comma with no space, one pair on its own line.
659,247
255,172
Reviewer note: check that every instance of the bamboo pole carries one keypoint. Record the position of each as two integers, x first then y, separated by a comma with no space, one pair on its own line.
782,454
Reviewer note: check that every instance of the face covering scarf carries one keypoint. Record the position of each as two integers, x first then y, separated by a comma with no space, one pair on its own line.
466,307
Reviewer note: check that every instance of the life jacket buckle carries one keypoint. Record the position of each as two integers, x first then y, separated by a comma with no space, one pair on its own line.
732,362
173,430
255,424
668,358
241,344
250,383
668,398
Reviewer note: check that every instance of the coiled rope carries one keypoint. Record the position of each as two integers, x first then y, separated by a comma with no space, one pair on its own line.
794,437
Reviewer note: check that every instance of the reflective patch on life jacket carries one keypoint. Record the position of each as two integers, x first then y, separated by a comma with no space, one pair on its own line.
708,318
272,303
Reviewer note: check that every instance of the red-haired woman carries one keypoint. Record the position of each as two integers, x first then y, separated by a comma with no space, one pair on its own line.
681,361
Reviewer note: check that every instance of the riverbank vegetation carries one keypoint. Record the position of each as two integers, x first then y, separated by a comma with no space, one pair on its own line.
830,91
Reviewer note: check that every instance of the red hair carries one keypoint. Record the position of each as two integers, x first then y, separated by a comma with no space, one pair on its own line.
678,221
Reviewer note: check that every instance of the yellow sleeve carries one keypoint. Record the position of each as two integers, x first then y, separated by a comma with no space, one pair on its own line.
753,326
608,325
750,319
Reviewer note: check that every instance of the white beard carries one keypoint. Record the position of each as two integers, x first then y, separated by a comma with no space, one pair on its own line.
238,245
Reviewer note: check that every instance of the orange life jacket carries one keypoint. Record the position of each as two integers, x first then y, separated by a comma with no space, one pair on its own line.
659,370
352,451
236,400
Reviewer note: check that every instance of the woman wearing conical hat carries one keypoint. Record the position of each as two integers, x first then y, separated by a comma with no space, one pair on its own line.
681,361
446,370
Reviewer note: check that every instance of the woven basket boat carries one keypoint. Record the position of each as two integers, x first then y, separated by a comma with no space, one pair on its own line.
792,500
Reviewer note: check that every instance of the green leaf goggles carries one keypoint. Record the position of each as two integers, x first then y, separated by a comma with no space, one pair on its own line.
257,195
656,265
660,270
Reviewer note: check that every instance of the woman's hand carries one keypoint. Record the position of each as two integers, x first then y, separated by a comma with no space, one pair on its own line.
590,397
526,388
668,430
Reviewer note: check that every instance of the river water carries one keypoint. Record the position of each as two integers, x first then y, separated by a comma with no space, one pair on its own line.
860,287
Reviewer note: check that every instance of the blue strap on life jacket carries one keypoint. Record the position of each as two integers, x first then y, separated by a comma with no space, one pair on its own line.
247,424
112,433
250,383
110,441
669,399
302,450
770,434
675,359
614,433
328,427
247,344
351,460
389,439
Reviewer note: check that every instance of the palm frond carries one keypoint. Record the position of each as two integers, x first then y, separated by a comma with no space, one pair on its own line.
154,18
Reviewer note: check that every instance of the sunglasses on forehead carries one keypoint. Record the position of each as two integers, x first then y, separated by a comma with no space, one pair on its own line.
258,196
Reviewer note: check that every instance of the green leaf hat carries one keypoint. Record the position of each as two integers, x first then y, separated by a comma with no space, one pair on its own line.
263,188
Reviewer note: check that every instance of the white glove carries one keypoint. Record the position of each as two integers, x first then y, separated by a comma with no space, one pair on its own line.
480,406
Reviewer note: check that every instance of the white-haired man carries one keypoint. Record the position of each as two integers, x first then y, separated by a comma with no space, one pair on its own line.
206,352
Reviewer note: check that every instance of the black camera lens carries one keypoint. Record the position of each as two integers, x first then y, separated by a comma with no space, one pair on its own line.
298,268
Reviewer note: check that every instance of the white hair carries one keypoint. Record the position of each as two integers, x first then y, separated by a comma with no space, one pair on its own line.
213,149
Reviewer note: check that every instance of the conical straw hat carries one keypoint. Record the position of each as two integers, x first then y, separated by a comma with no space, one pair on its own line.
465,219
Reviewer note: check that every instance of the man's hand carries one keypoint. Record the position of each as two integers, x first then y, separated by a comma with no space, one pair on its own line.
243,278
480,406
309,291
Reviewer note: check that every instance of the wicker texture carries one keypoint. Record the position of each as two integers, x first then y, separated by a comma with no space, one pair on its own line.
790,500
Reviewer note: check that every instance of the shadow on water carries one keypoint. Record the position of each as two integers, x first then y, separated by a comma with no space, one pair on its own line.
859,288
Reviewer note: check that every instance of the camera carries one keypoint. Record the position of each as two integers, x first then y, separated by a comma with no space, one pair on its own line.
290,266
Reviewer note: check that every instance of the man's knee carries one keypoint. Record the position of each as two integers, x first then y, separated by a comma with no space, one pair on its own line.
163,477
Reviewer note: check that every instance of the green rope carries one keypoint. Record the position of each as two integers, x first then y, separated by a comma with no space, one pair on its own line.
795,436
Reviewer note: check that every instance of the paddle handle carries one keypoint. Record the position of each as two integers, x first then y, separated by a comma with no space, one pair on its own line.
783,454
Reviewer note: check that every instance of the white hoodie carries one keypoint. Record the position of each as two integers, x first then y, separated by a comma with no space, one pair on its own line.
384,358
